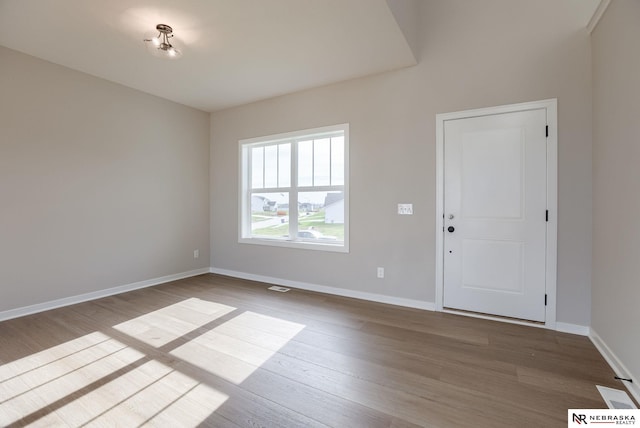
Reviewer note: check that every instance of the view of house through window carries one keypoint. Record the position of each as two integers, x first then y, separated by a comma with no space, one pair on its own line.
294,189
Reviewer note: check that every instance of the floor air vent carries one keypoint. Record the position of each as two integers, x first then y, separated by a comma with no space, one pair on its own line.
616,398
278,288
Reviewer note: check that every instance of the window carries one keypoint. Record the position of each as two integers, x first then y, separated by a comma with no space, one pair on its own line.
294,190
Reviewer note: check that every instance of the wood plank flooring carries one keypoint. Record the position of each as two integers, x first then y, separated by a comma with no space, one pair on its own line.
223,352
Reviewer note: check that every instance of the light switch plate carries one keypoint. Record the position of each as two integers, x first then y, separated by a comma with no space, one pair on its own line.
405,209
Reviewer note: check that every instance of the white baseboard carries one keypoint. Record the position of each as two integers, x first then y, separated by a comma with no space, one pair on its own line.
53,304
373,297
564,327
615,363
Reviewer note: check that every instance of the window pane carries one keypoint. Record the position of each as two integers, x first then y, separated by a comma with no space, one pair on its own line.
337,161
270,215
321,217
257,171
271,166
284,170
321,162
305,163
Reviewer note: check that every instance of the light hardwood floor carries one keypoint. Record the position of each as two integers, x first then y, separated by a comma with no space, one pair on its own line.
223,352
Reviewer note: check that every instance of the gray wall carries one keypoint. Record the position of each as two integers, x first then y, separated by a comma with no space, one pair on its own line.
100,185
473,54
616,178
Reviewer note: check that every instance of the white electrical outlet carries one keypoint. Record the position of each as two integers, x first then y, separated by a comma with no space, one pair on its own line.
380,272
405,209
196,254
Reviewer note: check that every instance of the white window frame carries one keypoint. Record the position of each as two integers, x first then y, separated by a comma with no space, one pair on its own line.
244,197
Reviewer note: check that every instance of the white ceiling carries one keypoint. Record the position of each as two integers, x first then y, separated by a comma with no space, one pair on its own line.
234,51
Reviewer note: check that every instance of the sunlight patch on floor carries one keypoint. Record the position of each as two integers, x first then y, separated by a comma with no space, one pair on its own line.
160,327
151,393
58,372
43,358
97,380
236,348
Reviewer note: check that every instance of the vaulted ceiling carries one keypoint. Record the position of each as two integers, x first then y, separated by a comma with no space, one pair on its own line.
234,51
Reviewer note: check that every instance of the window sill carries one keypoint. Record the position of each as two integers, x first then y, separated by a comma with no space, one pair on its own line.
302,245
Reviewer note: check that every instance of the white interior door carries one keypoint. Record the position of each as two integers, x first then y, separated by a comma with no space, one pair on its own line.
495,214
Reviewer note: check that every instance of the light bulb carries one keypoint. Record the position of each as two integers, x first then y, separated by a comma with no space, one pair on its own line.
158,44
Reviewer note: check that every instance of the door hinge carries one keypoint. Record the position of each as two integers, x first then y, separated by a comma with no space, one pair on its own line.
545,300
547,215
547,130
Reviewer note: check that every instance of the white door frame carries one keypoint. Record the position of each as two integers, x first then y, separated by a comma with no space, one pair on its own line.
551,106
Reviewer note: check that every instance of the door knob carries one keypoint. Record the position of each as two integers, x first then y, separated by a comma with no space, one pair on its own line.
451,229
450,216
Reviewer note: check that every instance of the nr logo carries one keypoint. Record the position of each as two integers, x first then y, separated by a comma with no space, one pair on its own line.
579,419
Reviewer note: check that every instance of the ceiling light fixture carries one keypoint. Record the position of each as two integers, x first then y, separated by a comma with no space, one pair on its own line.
160,46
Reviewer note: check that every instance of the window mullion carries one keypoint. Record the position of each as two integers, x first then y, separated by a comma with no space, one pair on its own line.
336,188
246,215
264,168
293,194
330,162
275,190
313,162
